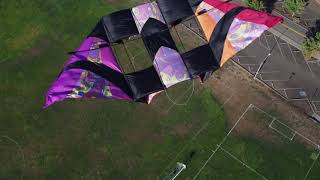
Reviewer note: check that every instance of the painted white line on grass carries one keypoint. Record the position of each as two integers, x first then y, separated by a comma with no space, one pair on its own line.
223,140
21,152
279,132
243,164
306,176
200,130
304,137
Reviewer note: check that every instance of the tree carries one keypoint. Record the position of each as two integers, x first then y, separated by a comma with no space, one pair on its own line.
311,46
294,7
255,4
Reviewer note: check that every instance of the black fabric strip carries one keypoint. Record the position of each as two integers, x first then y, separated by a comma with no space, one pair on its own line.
144,82
119,25
100,47
99,31
155,34
219,35
174,11
105,72
220,32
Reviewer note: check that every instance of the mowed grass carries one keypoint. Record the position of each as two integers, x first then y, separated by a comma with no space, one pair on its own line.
94,139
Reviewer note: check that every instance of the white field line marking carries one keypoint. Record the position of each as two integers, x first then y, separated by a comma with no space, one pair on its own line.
223,140
185,146
278,131
294,135
182,95
134,57
298,133
200,130
21,152
242,163
306,176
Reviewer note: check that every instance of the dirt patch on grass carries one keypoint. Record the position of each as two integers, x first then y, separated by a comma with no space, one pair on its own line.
236,89
181,130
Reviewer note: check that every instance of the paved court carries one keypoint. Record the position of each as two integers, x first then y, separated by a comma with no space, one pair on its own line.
285,71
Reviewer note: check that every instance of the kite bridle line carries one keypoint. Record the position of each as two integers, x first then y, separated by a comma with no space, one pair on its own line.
155,64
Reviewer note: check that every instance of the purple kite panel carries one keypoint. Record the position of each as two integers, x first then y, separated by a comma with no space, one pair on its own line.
143,12
78,83
170,67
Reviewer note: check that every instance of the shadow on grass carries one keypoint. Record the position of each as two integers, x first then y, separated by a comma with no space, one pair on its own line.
313,30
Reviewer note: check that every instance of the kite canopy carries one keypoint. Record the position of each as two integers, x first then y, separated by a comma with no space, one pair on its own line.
93,70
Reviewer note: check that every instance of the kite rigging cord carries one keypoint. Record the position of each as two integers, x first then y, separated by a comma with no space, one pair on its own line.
165,89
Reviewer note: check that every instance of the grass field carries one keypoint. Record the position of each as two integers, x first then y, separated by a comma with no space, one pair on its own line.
94,139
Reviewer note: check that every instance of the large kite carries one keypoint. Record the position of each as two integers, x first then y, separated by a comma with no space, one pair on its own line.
94,72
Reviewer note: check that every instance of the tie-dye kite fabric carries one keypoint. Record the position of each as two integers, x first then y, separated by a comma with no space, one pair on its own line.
78,83
93,70
245,28
170,67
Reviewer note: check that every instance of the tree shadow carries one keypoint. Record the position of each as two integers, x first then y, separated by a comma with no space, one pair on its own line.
270,5
313,30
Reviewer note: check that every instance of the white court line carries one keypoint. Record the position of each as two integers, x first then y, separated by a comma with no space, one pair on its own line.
246,56
248,64
244,164
313,110
292,88
269,72
285,92
304,99
268,45
306,176
223,140
279,46
294,58
315,106
274,80
262,44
